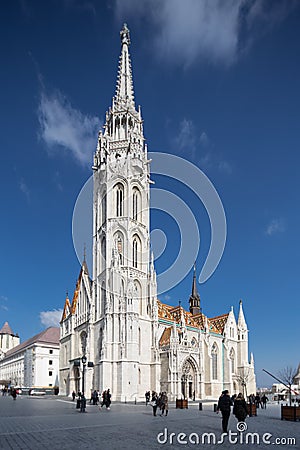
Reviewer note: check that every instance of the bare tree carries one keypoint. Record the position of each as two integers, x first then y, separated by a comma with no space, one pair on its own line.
287,375
243,377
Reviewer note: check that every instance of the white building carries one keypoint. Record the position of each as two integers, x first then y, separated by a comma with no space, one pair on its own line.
135,342
34,363
8,339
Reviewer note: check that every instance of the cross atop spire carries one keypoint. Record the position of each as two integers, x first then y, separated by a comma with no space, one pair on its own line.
124,92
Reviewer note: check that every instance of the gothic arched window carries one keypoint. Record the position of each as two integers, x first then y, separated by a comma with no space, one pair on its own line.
102,297
232,360
119,242
103,252
138,295
136,248
214,362
136,202
119,196
139,340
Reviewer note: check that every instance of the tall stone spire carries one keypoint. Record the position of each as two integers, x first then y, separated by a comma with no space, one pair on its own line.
124,92
194,298
242,326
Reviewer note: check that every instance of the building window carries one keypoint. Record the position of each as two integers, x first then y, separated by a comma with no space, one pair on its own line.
232,360
119,200
136,246
136,199
50,373
50,362
51,351
214,362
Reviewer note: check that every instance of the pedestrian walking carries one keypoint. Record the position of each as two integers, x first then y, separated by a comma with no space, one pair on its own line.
257,400
147,397
164,404
73,395
264,401
14,394
240,408
224,405
154,402
108,399
82,403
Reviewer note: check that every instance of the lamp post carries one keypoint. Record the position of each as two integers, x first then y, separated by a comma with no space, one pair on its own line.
83,401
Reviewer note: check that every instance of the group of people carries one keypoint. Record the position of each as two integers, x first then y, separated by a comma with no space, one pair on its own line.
160,401
239,404
258,401
81,400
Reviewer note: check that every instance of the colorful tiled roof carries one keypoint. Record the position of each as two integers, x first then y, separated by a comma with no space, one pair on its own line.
219,322
70,308
175,313
165,337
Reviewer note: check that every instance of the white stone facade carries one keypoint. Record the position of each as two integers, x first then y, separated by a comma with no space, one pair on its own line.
34,363
115,319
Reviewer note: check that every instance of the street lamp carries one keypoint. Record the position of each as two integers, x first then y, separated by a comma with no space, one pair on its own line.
83,400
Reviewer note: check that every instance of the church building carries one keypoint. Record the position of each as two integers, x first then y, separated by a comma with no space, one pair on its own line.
115,331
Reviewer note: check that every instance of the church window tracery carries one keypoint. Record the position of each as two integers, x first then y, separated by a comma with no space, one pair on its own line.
136,245
214,361
119,191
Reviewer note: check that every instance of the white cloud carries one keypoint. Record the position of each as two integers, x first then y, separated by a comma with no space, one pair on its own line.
275,226
61,125
199,148
3,300
213,30
225,167
51,318
186,138
25,189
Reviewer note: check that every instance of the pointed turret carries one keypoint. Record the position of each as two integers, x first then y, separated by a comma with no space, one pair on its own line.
194,298
242,326
6,329
124,92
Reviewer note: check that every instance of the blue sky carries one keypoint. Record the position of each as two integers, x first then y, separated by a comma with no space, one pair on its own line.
219,85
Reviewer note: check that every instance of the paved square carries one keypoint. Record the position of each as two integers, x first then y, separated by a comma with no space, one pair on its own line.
54,423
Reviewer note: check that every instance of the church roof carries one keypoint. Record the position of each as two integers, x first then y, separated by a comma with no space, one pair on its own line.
176,313
165,337
48,336
70,308
6,329
219,322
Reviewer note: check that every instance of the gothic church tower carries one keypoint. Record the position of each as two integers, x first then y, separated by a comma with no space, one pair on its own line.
125,311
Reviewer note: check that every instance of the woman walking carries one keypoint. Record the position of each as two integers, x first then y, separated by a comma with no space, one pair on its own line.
240,408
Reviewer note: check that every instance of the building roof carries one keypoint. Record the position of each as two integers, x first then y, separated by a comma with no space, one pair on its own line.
49,336
177,314
70,308
6,329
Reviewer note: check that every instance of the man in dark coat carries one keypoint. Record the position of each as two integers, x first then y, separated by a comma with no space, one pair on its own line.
224,405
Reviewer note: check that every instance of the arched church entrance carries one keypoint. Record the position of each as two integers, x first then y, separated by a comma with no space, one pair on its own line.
76,379
188,379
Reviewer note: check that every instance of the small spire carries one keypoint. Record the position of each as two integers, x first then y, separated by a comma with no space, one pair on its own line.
124,91
194,298
242,326
125,35
84,253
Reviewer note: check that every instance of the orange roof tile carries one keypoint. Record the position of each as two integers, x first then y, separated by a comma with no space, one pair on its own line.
174,314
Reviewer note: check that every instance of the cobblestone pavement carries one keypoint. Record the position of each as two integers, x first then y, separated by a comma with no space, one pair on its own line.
54,423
